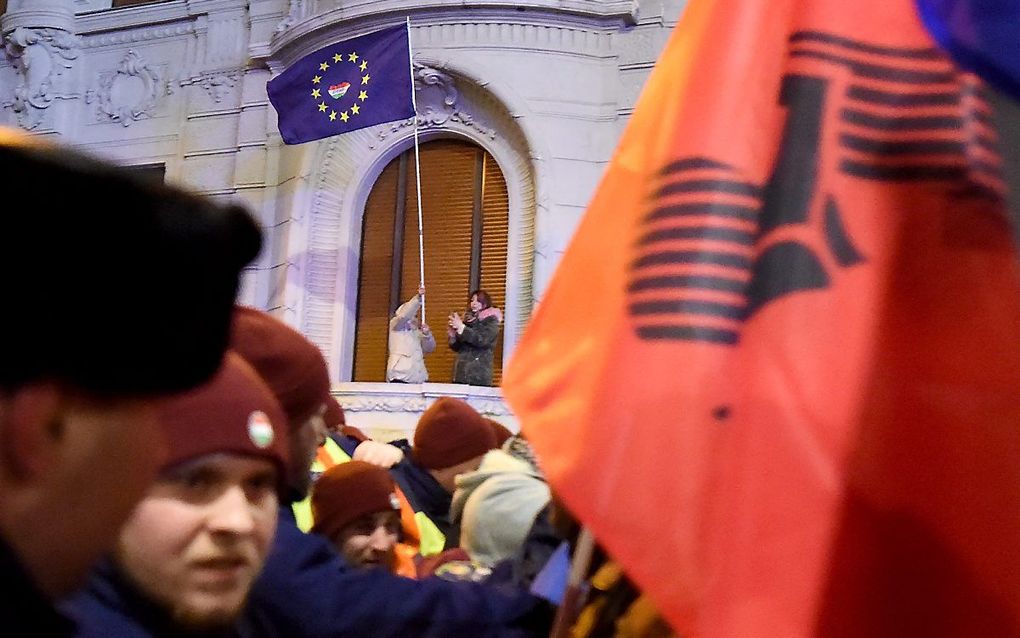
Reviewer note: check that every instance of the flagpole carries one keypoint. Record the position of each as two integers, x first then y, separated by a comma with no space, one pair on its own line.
417,173
574,596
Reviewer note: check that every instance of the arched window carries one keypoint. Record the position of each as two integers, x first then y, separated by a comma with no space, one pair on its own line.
464,211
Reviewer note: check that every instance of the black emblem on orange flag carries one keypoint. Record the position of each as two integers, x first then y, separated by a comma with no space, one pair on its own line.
714,248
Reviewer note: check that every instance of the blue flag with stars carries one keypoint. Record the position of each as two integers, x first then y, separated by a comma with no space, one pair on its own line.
343,87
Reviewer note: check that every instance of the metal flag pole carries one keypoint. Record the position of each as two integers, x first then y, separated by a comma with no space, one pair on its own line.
417,174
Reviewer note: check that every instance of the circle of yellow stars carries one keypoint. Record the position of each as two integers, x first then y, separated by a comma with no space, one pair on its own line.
355,109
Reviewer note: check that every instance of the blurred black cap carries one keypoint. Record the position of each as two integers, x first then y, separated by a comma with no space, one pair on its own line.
116,285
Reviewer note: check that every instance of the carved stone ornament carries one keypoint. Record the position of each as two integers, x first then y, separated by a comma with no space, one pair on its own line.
130,93
294,13
438,104
384,404
218,85
417,404
40,57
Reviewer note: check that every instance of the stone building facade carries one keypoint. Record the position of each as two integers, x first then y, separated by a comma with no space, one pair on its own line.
545,86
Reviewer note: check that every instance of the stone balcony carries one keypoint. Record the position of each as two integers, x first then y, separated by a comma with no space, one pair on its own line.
388,411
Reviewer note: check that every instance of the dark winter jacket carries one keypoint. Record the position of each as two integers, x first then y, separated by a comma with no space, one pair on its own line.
24,610
424,493
111,606
473,346
307,590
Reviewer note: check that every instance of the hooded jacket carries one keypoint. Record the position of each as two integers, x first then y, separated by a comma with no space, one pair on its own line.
496,506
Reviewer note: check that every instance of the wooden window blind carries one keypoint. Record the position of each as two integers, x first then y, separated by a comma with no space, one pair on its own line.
374,278
449,171
495,219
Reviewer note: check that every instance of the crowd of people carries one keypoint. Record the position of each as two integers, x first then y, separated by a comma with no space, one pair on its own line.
172,464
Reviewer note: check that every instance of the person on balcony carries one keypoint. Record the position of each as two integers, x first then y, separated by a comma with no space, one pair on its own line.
409,341
473,337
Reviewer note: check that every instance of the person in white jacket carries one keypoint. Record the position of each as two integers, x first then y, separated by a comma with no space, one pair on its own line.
409,342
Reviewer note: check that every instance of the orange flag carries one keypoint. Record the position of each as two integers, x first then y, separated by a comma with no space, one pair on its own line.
778,370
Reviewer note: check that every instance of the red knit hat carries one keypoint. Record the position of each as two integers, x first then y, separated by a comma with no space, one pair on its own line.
291,365
451,432
334,417
500,430
346,492
235,413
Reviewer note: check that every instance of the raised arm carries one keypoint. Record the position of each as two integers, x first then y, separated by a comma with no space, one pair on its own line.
405,312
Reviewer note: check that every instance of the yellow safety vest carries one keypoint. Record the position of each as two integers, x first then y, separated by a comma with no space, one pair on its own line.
419,530
327,456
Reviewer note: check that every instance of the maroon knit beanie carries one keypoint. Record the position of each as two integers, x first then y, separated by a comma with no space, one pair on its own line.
500,430
334,417
235,412
451,432
346,492
292,366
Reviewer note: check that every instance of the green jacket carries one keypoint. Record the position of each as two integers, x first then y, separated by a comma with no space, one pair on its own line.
474,350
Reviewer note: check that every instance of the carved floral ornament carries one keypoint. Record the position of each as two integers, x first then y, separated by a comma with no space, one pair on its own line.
439,105
131,92
403,403
40,56
217,84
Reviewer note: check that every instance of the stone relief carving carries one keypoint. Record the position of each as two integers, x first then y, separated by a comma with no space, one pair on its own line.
383,404
138,35
294,13
218,85
363,403
438,105
131,92
40,57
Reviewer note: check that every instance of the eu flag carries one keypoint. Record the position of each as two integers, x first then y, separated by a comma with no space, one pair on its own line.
349,85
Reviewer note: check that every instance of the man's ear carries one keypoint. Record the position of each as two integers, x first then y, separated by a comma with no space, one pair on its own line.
31,422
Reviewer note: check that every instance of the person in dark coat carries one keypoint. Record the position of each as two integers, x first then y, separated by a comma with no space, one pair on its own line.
473,337
450,439
188,555
97,328
307,590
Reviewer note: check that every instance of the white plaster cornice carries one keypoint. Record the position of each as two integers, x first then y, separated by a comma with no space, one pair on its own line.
142,15
580,27
133,36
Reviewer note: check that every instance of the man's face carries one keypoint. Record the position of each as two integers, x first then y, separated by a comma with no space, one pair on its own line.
447,476
105,456
197,541
371,540
304,442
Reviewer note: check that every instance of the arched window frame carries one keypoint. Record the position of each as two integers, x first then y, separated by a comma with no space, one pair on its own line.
323,246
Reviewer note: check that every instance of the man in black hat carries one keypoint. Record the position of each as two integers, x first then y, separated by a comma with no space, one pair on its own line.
119,292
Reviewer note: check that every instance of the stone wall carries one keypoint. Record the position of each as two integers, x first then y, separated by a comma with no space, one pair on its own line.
546,86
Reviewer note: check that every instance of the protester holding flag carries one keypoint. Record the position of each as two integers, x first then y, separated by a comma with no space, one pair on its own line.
409,341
